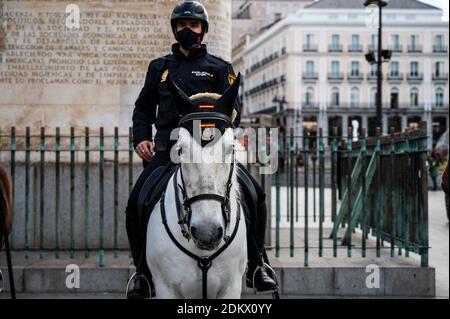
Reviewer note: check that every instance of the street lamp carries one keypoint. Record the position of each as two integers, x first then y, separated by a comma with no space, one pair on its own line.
382,56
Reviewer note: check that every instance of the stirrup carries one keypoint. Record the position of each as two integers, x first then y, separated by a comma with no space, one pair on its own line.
131,279
275,278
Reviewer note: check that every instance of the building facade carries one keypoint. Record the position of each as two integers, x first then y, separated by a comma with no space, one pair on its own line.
310,68
249,17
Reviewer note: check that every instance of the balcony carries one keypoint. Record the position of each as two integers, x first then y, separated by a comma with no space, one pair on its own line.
335,48
283,51
283,78
355,48
335,76
355,77
414,48
441,106
372,76
415,77
373,47
396,48
395,77
440,77
439,48
310,106
309,48
310,76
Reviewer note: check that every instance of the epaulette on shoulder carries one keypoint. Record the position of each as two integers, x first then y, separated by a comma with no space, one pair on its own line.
160,62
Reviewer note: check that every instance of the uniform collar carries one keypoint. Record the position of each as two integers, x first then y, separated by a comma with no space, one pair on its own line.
194,54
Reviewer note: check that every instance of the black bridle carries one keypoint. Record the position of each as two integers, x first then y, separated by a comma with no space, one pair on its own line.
184,215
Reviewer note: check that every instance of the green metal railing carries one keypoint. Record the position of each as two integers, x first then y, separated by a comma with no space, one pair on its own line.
22,148
378,191
68,187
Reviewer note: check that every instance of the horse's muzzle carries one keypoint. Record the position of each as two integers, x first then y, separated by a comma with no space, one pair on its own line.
207,238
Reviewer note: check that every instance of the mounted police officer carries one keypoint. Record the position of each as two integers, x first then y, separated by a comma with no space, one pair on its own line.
195,71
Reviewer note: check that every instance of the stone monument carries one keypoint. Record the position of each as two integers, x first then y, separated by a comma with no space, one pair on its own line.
83,63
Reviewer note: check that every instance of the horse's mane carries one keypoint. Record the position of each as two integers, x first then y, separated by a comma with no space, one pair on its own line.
205,95
213,96
5,184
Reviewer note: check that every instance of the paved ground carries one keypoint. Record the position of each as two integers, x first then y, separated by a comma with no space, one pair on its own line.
439,254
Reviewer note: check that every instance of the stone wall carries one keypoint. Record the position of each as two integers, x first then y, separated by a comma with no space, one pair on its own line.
58,68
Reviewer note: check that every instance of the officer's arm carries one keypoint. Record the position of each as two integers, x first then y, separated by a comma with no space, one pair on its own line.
144,114
225,80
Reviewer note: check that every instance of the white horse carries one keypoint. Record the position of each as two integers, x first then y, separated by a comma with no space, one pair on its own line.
211,232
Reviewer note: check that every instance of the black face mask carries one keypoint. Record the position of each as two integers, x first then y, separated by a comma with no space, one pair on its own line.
189,39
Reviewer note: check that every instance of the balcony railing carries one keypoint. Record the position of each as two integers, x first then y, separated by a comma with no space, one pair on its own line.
310,76
395,77
440,76
335,76
372,76
440,105
396,48
373,47
439,48
356,76
335,48
309,48
355,48
415,76
414,48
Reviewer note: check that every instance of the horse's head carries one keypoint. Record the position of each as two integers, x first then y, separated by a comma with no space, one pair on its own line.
205,147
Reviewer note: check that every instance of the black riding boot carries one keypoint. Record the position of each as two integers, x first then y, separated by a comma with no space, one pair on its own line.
140,285
257,275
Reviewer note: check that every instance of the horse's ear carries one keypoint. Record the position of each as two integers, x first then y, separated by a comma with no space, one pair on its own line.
179,94
226,101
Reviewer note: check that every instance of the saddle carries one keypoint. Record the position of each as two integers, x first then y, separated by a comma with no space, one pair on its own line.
157,182
151,193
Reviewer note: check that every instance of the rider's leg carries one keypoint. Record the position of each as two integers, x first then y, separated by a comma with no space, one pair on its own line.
135,236
256,239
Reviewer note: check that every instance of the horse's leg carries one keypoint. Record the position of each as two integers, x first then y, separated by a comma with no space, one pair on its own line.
233,291
163,291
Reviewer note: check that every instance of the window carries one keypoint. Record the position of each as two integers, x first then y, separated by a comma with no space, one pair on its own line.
354,97
373,42
354,68
373,69
309,96
439,40
355,42
335,68
309,41
373,97
335,41
414,68
310,68
439,68
394,68
414,42
334,96
414,97
394,98
395,42
439,97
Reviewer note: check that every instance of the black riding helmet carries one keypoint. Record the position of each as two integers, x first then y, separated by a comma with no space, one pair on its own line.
190,10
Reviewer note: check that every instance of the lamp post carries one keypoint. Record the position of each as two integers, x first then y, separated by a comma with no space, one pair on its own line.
382,56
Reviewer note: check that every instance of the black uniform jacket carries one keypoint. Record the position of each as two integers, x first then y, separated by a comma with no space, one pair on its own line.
200,72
